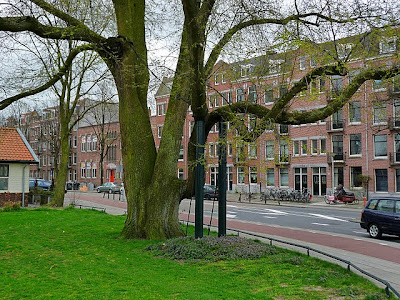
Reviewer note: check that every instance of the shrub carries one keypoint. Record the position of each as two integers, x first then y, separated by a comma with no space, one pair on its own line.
212,248
10,206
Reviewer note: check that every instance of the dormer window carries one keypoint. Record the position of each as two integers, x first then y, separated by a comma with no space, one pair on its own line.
245,70
223,78
388,45
275,66
302,62
344,50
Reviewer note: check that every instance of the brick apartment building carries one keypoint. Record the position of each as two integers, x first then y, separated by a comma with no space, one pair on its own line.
359,142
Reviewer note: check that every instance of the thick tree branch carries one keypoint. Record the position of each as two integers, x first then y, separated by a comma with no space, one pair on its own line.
74,52
78,32
228,35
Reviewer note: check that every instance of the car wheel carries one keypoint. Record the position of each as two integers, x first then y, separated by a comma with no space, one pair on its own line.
207,197
374,231
110,191
98,190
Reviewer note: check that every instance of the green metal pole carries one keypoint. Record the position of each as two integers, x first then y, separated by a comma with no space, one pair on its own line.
222,184
199,181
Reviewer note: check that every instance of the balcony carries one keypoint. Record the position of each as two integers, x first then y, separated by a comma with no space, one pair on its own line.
394,158
394,123
335,126
337,158
282,160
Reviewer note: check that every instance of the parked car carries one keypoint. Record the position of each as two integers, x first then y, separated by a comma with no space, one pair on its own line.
39,183
109,187
381,215
210,192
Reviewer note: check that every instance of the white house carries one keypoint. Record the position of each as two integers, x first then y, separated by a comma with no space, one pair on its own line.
15,157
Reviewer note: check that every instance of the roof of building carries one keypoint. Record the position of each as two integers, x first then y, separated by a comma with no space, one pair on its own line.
165,87
14,147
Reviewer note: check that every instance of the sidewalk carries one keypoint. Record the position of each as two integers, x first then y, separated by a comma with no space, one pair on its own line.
370,255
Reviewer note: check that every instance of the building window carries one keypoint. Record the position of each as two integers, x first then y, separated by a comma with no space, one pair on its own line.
380,113
75,141
336,84
230,149
388,45
337,120
378,85
283,90
355,112
253,150
239,95
253,175
94,143
83,169
252,94
83,143
161,109
4,173
216,101
304,149
398,180
240,175
337,147
211,150
269,150
322,146
180,173
313,62
223,78
252,122
355,173
380,146
270,176
302,62
396,84
397,147
269,95
216,79
322,85
355,144
381,180
284,177
159,131
283,151
89,143
296,148
211,101
94,170
314,147
344,50
181,153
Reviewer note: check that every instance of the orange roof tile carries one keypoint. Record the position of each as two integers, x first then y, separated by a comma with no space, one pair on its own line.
13,147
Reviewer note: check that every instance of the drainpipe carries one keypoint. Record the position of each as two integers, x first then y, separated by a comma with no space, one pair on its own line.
23,186
366,134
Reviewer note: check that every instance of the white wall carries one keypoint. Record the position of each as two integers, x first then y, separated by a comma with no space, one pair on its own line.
15,178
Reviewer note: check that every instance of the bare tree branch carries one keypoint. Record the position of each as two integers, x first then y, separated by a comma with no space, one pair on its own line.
74,52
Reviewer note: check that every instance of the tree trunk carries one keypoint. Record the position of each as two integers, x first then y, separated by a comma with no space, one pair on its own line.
59,191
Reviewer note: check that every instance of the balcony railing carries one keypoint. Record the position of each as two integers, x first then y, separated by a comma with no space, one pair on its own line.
336,157
335,125
394,123
394,158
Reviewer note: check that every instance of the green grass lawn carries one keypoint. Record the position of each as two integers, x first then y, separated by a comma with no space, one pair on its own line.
78,254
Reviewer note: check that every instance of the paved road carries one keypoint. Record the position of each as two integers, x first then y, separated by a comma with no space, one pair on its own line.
381,258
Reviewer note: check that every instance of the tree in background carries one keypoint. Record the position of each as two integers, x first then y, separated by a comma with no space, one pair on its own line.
207,26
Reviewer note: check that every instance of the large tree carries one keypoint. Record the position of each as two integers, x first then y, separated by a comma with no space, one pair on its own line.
207,27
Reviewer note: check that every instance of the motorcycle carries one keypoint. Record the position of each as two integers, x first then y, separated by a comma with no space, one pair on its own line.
341,196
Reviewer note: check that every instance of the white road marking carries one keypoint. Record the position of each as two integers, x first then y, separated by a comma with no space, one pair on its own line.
328,217
383,244
232,206
268,217
360,232
230,216
320,224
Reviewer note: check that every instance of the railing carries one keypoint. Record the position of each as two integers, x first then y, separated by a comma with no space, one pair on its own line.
335,125
394,123
337,157
394,158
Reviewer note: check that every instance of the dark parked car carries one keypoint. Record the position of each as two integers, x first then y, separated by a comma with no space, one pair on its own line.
381,215
109,187
210,192
39,183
